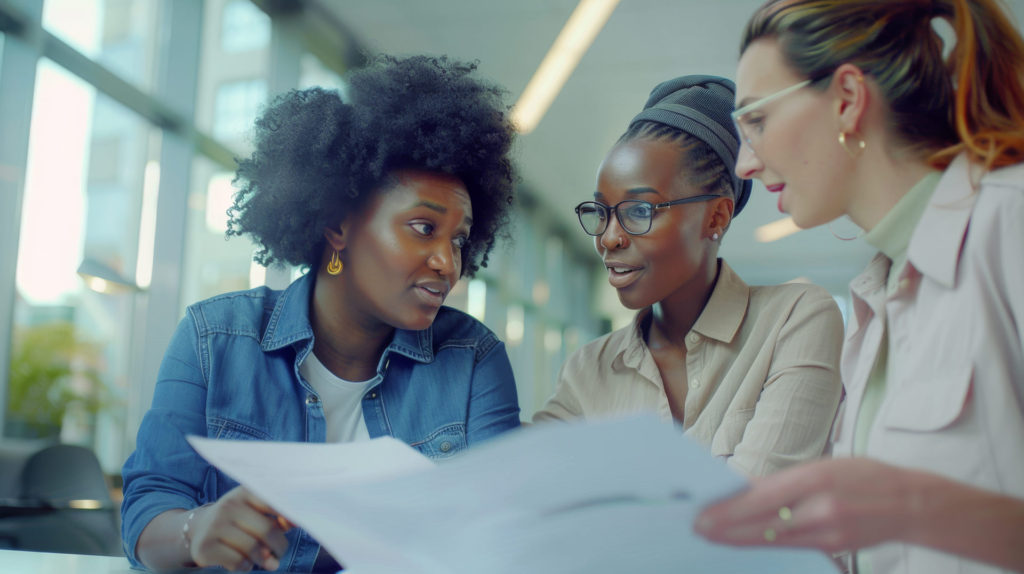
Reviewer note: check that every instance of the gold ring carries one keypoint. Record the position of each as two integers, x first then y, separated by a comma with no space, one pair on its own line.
785,514
769,534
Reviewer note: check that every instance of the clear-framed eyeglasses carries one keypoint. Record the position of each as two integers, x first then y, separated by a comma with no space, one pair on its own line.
750,122
634,215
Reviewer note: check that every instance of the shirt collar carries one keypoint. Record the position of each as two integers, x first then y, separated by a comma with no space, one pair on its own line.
289,323
720,320
892,234
935,245
726,308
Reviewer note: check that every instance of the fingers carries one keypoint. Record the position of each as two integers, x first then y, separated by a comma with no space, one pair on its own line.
264,541
241,532
777,527
762,501
238,549
270,541
254,501
829,505
284,523
270,533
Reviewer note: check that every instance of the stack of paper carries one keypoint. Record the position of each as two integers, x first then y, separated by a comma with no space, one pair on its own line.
559,498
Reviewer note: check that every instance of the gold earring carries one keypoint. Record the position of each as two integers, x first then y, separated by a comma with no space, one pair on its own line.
861,144
334,266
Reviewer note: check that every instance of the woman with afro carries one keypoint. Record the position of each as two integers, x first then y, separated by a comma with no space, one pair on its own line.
389,196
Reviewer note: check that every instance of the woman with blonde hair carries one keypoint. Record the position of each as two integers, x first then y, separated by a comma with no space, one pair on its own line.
850,108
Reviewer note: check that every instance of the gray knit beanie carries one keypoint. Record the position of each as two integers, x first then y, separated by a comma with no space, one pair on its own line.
701,106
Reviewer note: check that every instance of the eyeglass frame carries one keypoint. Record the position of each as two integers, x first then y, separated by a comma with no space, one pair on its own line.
609,209
736,114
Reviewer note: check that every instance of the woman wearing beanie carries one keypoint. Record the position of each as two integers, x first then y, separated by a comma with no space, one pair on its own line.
749,371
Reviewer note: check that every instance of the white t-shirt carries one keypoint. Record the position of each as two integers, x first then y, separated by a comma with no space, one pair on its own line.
341,400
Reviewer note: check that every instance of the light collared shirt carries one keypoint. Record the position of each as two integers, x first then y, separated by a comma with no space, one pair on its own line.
954,393
892,237
762,367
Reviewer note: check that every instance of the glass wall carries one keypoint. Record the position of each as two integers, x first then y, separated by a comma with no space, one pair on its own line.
232,89
119,34
90,161
86,326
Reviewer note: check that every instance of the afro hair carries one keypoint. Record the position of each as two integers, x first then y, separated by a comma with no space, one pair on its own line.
318,158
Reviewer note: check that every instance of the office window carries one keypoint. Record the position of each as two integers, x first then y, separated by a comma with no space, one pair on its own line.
312,73
105,159
244,27
236,106
232,85
78,260
119,34
117,19
76,23
231,93
213,263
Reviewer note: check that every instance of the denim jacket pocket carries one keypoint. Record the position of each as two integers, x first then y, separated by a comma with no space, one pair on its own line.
444,442
929,406
216,483
227,429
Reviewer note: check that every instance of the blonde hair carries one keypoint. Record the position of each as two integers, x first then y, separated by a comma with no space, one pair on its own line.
971,101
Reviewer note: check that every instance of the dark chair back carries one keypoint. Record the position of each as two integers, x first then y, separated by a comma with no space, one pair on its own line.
63,505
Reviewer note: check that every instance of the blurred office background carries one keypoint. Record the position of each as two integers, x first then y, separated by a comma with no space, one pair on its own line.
120,121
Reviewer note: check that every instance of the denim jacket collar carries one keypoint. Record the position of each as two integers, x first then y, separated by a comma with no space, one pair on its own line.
289,323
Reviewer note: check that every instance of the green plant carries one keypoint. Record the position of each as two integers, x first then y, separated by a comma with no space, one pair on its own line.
52,370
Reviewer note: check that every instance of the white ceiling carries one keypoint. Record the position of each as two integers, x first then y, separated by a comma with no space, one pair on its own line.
643,43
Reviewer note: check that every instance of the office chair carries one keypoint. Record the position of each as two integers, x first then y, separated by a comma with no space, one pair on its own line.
63,505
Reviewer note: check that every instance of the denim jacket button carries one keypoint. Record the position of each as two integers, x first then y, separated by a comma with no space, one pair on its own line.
312,400
446,446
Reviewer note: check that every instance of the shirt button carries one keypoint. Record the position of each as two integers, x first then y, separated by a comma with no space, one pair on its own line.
694,337
312,400
904,283
695,384
372,395
446,446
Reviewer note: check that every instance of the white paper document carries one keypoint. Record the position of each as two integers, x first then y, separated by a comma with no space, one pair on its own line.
614,496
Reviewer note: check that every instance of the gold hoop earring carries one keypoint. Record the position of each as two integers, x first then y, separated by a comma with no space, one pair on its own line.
861,144
334,266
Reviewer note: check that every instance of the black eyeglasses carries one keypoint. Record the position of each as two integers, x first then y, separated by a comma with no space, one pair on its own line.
634,215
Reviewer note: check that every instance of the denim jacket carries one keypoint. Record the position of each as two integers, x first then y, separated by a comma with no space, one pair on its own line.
232,371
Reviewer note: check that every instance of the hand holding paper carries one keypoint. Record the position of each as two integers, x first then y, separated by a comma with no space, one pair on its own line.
236,532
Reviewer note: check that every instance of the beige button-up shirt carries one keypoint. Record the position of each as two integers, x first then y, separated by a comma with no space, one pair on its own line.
763,368
954,393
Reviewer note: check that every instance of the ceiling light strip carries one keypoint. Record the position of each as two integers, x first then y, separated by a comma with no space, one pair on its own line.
572,42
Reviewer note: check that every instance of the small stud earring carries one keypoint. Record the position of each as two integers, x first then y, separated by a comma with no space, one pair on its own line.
714,236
